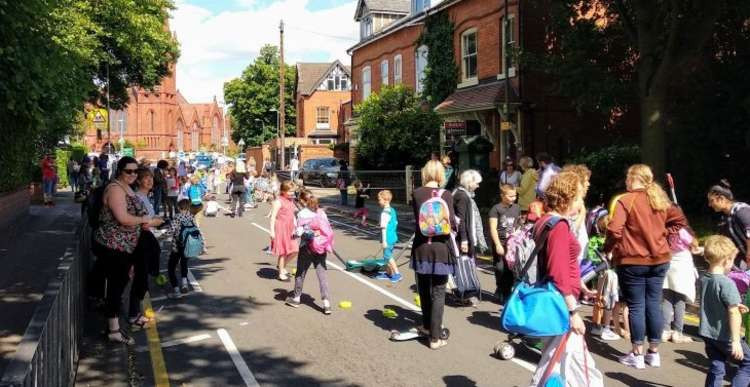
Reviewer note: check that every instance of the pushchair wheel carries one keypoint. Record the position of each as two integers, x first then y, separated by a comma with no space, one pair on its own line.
504,350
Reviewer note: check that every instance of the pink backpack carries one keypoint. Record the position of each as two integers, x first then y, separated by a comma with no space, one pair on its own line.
323,242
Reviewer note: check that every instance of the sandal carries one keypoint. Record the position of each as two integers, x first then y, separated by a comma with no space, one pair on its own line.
139,321
121,337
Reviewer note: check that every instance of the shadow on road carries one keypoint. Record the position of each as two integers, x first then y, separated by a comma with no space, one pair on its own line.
405,320
458,381
631,381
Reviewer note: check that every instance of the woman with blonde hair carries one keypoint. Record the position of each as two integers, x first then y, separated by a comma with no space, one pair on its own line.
637,239
433,258
526,190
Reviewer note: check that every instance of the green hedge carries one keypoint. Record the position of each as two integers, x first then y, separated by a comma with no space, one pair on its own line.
608,166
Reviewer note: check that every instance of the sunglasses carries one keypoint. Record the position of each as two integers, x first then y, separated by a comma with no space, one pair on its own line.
129,171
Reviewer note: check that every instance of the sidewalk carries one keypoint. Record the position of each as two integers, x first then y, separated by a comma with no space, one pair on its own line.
30,252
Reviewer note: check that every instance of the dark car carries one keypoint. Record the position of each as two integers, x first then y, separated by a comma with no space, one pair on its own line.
323,171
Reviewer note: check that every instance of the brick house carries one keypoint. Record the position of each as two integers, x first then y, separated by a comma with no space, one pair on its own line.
536,120
320,91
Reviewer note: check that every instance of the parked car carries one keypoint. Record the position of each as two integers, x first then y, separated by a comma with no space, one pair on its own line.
323,171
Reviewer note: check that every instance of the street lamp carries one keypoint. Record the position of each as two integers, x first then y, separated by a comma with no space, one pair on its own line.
279,136
241,144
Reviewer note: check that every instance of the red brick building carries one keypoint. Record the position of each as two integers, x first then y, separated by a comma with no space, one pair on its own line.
536,119
320,91
161,121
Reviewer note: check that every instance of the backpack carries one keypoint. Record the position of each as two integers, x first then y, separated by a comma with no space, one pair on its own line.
434,216
194,194
322,243
519,247
191,240
524,268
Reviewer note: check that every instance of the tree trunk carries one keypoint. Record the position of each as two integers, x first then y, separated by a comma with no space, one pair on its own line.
653,133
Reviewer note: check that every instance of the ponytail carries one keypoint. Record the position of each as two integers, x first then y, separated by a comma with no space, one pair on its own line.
657,198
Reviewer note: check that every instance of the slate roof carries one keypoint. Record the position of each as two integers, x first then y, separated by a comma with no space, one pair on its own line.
309,75
389,5
476,98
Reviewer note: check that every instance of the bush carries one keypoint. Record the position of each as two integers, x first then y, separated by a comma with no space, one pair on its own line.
608,166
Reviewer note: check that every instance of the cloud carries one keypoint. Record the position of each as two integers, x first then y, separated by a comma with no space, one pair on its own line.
216,45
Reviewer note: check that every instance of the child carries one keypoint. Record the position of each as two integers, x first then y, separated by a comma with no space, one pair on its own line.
389,236
607,289
503,217
184,218
173,190
283,244
359,203
316,241
721,310
679,284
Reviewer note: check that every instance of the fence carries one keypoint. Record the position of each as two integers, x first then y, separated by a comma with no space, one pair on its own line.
48,352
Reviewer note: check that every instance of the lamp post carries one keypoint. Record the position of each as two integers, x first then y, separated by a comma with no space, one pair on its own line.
280,156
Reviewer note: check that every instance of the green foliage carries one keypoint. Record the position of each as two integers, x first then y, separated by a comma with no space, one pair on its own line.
255,93
78,152
56,54
61,166
395,130
608,166
441,74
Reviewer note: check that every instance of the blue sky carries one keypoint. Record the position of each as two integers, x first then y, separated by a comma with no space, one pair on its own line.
219,38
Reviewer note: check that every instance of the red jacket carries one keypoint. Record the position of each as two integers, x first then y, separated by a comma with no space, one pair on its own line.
561,257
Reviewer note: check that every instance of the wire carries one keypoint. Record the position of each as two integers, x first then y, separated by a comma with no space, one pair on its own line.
324,35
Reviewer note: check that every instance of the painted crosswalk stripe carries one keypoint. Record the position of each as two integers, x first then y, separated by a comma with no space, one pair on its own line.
239,362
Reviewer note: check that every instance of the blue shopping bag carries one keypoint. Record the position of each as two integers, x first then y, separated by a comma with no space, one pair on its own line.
537,309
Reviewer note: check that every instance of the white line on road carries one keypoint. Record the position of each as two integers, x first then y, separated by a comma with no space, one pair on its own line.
524,364
353,227
186,340
237,359
194,282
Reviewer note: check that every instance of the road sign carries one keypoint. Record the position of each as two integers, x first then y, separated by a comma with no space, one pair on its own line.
128,152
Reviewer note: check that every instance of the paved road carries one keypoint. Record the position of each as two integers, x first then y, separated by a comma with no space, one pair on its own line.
237,331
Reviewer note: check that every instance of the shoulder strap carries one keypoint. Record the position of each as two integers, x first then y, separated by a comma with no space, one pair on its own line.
539,244
556,359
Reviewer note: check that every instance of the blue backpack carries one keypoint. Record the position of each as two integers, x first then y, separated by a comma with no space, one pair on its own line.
195,195
191,241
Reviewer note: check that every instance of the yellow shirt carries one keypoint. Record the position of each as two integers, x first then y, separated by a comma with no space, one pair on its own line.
526,191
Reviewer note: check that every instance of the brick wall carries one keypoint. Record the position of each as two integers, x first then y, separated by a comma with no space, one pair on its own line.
308,152
13,205
309,105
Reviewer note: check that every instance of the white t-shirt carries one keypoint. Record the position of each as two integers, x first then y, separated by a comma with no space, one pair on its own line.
385,218
294,164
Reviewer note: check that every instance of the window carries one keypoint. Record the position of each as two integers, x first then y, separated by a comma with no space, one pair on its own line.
397,69
323,117
152,120
421,66
325,141
366,27
366,82
384,72
419,5
469,55
337,80
509,43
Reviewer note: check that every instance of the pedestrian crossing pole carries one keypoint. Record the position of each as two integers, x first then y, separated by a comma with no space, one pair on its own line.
282,126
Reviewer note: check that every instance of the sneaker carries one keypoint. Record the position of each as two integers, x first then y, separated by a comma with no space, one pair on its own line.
653,359
666,336
396,278
383,276
597,330
283,276
326,307
184,289
175,294
633,360
608,335
293,302
679,338
437,344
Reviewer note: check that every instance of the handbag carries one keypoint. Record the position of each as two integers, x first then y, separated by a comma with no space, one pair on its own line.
537,310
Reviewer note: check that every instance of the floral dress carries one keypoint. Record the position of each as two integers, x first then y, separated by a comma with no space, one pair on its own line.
111,234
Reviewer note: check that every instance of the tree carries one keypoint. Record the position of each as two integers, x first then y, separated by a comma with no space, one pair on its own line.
395,130
441,74
610,55
252,96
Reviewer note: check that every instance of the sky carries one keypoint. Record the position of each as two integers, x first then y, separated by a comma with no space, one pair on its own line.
219,38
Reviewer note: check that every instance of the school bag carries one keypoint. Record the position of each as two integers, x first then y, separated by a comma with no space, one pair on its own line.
191,240
212,208
465,278
518,249
434,216
194,194
323,242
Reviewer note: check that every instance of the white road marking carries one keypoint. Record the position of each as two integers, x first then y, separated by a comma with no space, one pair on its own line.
242,324
237,359
524,364
160,298
352,227
186,340
194,282
262,228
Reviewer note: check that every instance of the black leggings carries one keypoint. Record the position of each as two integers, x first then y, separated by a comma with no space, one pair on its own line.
116,266
503,276
171,206
145,260
174,258
432,300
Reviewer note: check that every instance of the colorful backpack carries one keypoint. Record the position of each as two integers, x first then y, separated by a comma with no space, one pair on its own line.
194,194
434,216
323,242
191,240
519,247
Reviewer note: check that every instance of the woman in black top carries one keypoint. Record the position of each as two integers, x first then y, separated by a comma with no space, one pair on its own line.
237,178
433,259
470,235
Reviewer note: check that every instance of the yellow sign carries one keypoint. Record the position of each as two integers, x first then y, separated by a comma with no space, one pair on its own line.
97,118
505,125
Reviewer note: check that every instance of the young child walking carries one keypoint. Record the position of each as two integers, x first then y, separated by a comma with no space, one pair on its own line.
607,287
316,241
359,202
721,314
184,218
388,236
283,243
679,284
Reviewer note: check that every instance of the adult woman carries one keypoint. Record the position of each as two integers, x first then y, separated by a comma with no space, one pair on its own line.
237,177
283,244
637,239
736,219
343,181
120,221
433,259
509,175
526,190
147,252
559,260
470,235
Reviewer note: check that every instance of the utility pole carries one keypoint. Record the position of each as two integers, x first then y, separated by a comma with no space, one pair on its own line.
282,128
109,117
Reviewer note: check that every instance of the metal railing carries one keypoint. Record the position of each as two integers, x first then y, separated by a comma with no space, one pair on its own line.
48,352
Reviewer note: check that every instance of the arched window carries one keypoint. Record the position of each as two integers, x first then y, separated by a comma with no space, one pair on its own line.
180,136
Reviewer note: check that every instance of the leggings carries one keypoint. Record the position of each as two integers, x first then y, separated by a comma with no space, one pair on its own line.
432,299
238,203
503,276
307,258
116,265
171,206
174,258
673,309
